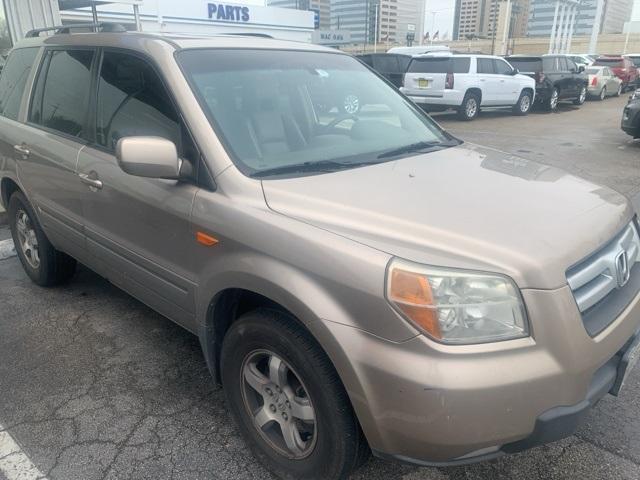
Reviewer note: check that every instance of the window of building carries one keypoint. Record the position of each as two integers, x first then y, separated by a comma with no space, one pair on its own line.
13,80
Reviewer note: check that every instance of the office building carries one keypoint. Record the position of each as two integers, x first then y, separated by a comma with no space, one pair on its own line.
321,7
614,14
394,19
469,18
480,17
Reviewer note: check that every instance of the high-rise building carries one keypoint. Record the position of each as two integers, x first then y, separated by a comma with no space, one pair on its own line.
480,17
614,14
469,18
323,7
393,19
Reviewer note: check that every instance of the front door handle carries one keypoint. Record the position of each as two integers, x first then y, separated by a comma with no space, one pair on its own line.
94,183
22,150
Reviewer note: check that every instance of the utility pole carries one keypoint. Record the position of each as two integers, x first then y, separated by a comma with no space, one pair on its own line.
494,4
595,30
552,35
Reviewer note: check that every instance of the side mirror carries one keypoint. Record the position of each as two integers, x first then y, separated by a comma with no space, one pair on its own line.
515,71
581,69
150,157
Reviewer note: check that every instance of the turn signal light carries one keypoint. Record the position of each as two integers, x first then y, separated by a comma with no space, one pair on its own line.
206,239
412,294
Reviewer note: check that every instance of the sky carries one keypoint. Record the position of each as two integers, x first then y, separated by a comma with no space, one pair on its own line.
444,10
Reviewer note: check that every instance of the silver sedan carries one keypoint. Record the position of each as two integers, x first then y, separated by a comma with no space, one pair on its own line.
603,82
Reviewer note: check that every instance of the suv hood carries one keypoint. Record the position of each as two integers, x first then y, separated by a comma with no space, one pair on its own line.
466,207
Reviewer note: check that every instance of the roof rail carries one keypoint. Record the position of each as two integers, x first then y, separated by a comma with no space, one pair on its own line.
102,27
250,34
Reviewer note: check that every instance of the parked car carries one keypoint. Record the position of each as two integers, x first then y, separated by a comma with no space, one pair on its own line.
603,83
557,78
467,83
631,116
392,66
419,49
623,67
358,281
635,59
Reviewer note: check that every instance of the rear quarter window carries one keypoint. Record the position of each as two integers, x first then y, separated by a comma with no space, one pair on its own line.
526,64
14,79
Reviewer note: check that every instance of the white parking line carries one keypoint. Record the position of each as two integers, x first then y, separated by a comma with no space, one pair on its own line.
7,249
14,464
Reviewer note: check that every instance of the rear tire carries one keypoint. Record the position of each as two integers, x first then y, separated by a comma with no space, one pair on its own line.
45,265
582,96
523,107
470,107
331,445
603,94
619,92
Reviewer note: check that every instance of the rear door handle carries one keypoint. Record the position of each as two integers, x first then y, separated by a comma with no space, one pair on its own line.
94,183
22,150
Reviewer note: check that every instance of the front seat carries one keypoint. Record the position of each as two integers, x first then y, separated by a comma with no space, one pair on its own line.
273,128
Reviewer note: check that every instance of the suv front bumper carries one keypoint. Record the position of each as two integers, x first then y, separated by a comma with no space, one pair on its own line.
432,404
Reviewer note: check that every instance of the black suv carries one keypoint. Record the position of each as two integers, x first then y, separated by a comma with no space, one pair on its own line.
557,78
631,116
391,66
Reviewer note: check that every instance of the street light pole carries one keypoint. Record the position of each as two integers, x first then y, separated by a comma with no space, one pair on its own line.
595,30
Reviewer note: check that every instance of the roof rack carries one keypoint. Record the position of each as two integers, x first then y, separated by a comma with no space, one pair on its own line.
105,27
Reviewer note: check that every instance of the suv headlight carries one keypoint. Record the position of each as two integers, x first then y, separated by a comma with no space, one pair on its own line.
457,306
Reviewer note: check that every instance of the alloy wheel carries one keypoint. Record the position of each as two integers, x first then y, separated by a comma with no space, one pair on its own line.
554,100
351,104
525,103
27,239
279,403
471,108
603,93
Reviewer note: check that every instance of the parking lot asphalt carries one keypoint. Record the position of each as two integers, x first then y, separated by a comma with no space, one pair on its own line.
94,385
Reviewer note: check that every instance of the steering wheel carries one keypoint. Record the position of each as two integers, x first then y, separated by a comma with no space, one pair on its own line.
339,119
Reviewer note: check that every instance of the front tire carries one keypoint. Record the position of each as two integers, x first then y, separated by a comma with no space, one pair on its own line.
45,265
523,107
581,97
470,107
287,399
551,103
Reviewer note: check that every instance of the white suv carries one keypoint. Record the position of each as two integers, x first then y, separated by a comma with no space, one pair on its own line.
466,83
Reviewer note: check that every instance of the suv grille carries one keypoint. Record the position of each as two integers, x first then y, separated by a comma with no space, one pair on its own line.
606,282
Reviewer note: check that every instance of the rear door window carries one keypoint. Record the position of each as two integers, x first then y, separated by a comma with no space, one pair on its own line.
501,67
485,65
61,98
13,80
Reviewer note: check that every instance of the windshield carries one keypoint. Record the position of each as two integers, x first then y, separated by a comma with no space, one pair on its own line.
293,112
440,65
635,60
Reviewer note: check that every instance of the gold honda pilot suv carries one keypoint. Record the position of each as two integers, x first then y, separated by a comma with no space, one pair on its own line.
360,280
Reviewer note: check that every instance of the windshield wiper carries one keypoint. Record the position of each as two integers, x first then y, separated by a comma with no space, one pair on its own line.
307,167
416,147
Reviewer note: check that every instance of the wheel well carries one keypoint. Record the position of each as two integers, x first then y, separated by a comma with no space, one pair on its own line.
8,187
475,91
528,90
225,309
